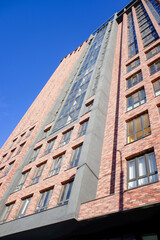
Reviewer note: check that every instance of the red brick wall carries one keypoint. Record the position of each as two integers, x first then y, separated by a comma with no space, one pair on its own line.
35,116
112,192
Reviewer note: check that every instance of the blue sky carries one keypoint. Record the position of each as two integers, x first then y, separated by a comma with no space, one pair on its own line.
35,36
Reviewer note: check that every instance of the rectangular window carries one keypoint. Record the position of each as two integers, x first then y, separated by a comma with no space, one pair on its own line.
136,99
56,166
136,78
23,207
153,51
38,174
156,86
6,213
21,181
49,146
138,127
75,156
34,154
44,200
20,148
66,137
142,170
65,193
83,128
133,65
9,168
30,132
154,67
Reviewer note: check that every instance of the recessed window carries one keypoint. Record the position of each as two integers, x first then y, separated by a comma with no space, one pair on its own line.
136,99
9,168
20,148
75,156
34,154
23,207
82,128
56,166
136,78
38,174
49,146
156,86
22,181
154,67
44,200
89,106
65,193
138,127
153,51
30,132
133,65
66,137
142,170
6,212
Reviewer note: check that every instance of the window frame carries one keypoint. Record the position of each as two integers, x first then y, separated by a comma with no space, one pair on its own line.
23,207
76,153
56,165
141,130
65,193
42,200
148,173
137,103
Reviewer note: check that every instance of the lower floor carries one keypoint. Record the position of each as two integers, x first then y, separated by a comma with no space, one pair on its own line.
134,224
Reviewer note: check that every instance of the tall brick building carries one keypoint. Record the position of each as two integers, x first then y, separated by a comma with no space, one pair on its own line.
84,161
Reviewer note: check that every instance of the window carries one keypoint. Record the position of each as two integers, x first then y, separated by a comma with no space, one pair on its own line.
6,212
142,170
147,29
49,146
136,99
83,128
75,156
159,109
56,166
74,100
138,127
34,154
23,207
9,168
66,137
30,132
132,40
44,200
11,153
21,137
89,106
153,51
154,8
154,67
20,148
65,193
22,181
38,174
136,78
133,65
156,86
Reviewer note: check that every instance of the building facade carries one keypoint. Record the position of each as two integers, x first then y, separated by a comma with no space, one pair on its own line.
84,161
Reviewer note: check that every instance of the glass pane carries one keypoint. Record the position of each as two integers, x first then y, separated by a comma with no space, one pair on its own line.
142,166
142,181
147,131
150,237
132,184
132,171
130,128
153,178
152,163
146,120
130,139
69,190
138,125
139,135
